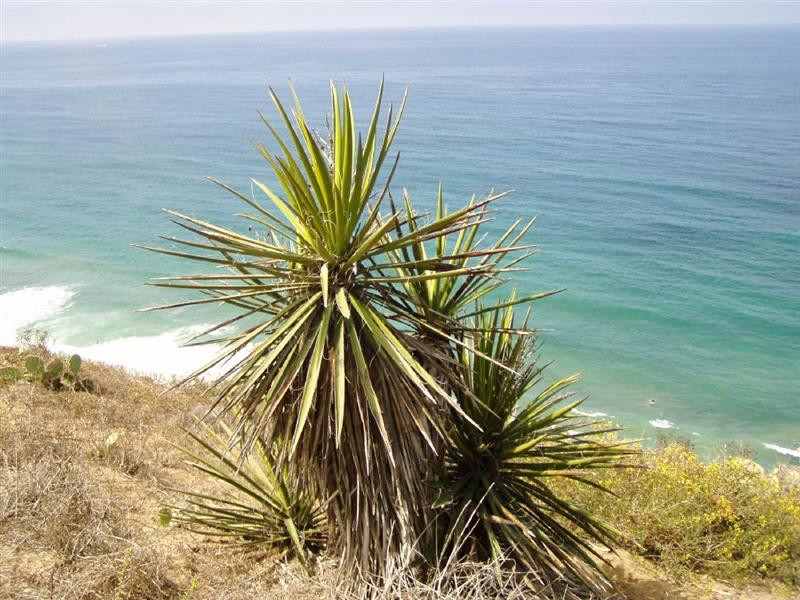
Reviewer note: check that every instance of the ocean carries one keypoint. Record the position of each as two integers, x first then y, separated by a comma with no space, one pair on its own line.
664,165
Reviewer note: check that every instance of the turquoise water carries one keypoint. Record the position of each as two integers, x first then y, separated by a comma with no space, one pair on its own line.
664,165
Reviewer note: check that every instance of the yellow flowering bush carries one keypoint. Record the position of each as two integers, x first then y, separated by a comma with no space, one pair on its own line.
725,518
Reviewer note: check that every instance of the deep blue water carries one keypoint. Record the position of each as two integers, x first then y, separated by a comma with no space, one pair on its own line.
664,165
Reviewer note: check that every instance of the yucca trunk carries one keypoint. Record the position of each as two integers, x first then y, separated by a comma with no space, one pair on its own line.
376,483
380,524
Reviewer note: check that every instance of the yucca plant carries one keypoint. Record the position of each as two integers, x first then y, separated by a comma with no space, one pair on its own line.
495,485
444,309
264,507
445,301
324,356
367,360
442,306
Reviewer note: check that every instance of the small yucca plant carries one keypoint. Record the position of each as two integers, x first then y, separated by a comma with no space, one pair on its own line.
264,506
495,480
441,304
444,309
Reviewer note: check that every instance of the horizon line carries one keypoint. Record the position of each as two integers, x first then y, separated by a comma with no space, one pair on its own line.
168,36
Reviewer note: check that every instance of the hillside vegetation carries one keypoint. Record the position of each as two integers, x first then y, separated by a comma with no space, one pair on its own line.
83,476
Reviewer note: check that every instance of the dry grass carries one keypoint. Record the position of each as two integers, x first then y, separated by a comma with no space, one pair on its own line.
82,478
479,581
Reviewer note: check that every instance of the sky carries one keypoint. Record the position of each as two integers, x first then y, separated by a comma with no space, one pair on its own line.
31,20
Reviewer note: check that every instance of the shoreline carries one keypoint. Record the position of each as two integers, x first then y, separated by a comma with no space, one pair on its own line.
162,358
135,355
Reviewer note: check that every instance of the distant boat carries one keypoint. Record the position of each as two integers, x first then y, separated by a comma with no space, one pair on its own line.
102,46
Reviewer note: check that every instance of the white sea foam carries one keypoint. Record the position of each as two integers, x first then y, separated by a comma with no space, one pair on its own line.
784,451
158,355
27,306
662,424
589,413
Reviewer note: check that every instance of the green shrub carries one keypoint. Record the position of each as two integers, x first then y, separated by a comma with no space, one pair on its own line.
724,518
53,376
10,374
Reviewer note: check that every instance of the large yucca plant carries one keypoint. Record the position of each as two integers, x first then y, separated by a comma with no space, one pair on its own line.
495,481
324,356
367,356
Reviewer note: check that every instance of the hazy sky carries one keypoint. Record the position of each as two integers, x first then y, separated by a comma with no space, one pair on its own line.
29,20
